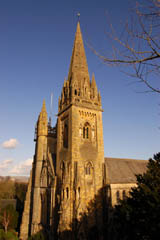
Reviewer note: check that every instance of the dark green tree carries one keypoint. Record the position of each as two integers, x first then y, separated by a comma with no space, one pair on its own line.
38,236
20,194
138,216
10,235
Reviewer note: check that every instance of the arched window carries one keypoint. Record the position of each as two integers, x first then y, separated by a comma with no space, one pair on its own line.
65,135
83,132
63,194
63,166
124,194
86,131
67,192
62,169
75,92
88,169
118,196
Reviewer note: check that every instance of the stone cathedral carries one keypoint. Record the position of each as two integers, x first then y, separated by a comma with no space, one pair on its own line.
69,167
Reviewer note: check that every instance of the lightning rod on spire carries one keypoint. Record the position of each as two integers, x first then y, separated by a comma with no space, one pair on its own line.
78,16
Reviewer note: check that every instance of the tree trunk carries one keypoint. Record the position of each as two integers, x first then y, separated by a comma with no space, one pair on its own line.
5,228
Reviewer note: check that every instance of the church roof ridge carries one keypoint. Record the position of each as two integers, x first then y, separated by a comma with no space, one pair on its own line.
124,159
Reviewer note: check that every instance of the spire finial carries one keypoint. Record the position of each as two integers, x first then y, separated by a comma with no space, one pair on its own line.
78,16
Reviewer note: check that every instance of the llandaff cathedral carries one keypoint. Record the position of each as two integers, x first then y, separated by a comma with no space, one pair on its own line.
69,169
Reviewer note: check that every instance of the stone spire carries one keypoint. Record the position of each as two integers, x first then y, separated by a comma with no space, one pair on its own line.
78,89
78,66
42,124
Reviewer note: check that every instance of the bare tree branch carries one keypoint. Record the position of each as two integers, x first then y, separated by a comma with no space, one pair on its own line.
139,45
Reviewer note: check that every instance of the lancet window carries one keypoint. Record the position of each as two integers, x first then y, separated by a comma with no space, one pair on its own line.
65,135
63,194
124,194
86,131
118,196
67,192
62,169
75,194
88,168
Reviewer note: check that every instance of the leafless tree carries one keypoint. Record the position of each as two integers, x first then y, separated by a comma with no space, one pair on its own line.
138,46
5,220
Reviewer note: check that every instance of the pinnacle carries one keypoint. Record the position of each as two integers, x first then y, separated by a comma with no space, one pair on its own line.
43,106
93,83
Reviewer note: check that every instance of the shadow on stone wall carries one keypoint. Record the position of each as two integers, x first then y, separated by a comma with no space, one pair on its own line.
93,223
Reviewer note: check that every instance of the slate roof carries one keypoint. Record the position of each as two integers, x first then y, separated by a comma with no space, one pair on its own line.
120,170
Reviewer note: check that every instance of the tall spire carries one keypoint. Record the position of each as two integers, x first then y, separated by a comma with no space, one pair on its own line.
77,89
78,65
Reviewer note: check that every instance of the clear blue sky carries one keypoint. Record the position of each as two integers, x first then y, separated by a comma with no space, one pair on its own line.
36,39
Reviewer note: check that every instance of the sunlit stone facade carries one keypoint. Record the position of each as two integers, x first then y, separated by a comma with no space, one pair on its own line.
69,168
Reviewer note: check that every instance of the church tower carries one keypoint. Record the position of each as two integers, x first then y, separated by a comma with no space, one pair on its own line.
67,170
80,150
